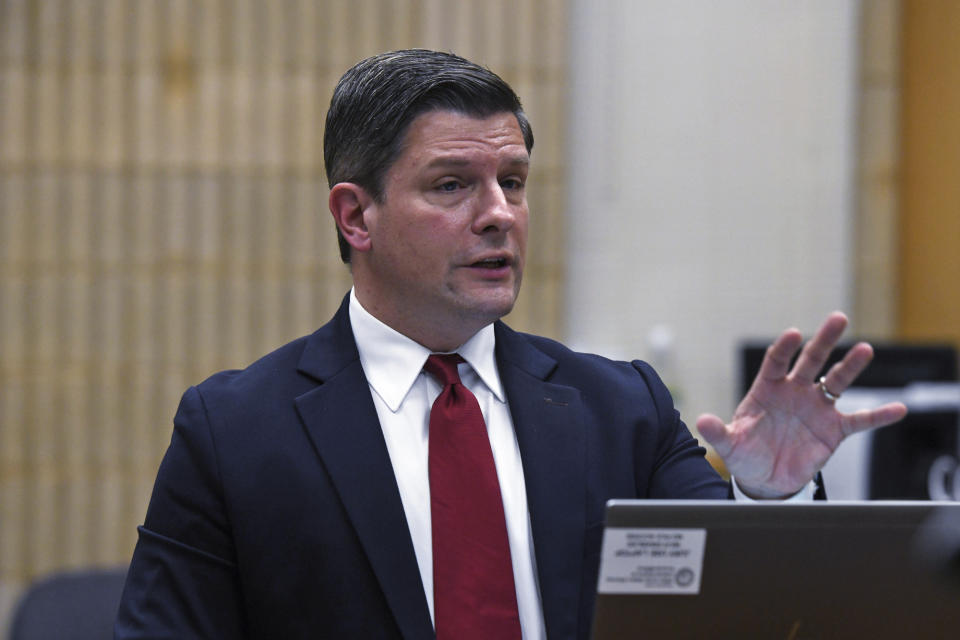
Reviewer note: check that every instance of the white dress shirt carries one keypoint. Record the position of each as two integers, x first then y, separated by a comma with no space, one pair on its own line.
403,396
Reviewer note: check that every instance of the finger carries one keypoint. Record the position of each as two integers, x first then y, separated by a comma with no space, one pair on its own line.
818,348
872,418
844,373
776,361
714,431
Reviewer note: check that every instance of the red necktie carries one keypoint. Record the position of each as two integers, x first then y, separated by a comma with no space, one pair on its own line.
474,595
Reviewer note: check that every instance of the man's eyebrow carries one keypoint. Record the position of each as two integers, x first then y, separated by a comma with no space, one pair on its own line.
459,161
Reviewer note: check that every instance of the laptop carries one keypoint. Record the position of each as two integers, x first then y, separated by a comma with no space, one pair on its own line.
693,569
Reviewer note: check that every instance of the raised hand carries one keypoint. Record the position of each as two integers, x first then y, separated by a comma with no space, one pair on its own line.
787,426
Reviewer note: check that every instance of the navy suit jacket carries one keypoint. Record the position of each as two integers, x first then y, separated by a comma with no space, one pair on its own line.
276,513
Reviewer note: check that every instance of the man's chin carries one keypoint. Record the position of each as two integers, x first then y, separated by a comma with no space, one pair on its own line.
484,301
491,308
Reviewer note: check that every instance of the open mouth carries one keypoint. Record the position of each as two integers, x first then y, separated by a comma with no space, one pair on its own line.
492,263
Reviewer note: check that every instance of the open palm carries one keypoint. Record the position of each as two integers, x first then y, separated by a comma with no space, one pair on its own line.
786,427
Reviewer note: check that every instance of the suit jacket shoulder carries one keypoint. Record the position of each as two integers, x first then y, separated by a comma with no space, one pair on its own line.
275,512
626,408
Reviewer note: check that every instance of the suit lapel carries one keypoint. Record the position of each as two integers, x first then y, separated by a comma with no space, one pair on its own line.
548,420
342,423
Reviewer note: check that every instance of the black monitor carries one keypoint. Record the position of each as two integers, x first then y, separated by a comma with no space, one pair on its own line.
893,365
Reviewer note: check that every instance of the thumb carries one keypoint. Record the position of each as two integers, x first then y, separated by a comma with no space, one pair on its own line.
714,431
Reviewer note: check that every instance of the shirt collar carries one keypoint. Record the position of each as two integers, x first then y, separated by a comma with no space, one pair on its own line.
391,361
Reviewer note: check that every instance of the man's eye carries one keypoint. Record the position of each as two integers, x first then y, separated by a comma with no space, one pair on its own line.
449,186
512,183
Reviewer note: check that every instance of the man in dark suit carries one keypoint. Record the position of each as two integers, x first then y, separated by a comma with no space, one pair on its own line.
295,498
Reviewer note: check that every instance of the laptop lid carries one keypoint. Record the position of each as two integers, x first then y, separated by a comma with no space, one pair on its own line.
692,569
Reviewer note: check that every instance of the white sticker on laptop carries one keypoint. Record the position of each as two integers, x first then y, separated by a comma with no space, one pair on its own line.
654,561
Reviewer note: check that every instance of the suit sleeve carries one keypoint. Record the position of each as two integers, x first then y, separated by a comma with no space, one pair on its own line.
183,579
680,470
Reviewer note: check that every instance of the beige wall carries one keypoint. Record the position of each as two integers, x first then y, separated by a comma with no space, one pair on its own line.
163,215
715,179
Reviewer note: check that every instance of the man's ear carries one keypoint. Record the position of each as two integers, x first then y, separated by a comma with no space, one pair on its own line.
349,203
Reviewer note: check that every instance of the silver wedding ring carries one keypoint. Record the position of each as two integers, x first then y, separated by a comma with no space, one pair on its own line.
829,395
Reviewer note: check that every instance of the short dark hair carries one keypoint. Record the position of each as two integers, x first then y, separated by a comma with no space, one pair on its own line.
377,99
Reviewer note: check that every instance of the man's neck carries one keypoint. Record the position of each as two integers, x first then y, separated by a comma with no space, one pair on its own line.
440,337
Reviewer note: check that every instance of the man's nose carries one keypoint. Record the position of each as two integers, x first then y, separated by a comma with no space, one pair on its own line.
495,211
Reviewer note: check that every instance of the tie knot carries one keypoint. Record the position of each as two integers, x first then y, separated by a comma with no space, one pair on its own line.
443,367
